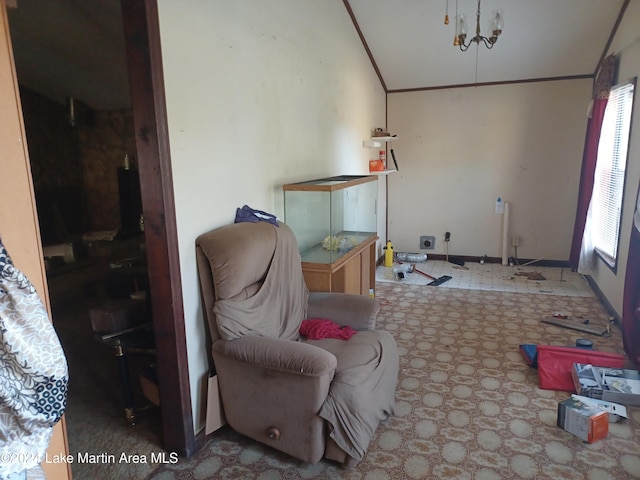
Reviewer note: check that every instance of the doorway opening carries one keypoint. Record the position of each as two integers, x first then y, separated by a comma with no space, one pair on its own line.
81,140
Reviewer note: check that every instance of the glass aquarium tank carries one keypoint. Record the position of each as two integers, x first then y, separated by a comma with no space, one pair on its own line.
331,216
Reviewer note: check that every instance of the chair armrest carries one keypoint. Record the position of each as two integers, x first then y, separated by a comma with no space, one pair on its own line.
356,311
282,355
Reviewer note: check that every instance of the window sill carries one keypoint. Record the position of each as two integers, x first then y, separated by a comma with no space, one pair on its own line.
608,260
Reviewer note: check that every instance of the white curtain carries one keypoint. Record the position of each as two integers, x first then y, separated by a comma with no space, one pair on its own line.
587,254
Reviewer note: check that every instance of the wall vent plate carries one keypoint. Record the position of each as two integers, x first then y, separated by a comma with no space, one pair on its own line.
427,242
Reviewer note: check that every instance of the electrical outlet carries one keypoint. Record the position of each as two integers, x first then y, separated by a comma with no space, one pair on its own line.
447,236
515,241
427,242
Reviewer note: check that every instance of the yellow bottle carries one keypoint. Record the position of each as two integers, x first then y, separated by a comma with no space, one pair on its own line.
388,254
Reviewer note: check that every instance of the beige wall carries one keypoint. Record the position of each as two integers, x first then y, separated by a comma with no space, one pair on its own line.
257,96
461,149
627,45
18,225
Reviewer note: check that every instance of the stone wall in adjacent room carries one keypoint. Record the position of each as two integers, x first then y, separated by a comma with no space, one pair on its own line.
55,168
102,147
54,160
75,169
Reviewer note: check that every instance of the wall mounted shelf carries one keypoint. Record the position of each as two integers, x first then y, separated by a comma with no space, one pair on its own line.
385,139
376,142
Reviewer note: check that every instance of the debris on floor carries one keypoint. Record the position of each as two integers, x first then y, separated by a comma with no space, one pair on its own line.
531,275
578,324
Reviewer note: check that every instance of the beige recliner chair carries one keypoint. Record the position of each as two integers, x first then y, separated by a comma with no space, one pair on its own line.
307,398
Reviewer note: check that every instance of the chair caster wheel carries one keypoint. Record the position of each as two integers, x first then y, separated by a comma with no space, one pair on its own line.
273,433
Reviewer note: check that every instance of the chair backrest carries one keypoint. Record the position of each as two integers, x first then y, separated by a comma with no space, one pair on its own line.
233,262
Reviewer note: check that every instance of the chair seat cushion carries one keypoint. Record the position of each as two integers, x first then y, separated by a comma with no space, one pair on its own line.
362,391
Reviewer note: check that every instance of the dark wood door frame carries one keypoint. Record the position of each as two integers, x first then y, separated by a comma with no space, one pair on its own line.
142,37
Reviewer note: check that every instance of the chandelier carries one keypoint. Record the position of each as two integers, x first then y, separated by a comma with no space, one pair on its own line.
497,23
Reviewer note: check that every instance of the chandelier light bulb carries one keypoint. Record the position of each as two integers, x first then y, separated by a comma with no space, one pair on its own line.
462,24
461,31
498,22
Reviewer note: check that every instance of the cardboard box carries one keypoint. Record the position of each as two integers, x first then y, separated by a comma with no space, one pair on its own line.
615,410
586,422
215,416
605,383
149,383
150,390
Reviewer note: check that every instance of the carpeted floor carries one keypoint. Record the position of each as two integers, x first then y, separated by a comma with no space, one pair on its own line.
467,405
94,415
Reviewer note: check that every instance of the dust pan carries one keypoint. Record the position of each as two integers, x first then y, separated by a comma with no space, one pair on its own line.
436,281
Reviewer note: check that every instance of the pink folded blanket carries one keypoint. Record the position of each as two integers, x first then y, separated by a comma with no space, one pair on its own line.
317,328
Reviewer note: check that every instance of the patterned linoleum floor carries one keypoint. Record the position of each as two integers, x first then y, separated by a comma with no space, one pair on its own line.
493,277
467,405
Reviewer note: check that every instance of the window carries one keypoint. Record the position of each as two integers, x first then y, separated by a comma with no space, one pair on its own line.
610,172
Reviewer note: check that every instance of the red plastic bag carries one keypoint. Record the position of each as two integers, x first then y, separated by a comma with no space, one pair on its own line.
555,364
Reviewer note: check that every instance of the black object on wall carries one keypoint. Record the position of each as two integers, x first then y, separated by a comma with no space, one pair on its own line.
130,199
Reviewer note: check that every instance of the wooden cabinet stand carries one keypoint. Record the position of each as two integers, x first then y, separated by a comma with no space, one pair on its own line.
354,272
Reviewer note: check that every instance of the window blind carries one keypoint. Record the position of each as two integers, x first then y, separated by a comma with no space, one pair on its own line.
610,169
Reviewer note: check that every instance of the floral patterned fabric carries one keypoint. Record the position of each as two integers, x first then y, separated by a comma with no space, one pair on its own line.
33,372
606,78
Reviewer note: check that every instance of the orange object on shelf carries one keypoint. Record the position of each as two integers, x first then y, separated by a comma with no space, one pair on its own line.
376,165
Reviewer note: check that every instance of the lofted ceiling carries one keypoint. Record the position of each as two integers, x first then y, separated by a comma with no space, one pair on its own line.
413,48
75,48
